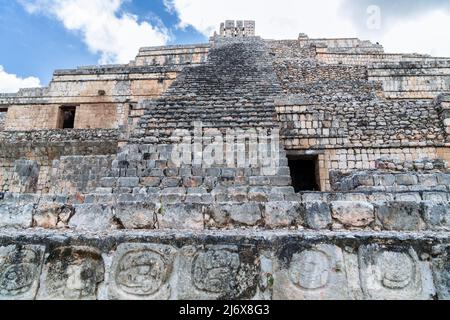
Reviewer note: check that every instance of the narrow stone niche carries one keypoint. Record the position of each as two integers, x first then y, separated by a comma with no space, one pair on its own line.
67,117
304,172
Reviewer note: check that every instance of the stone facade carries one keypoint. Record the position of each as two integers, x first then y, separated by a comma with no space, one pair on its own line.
117,199
231,28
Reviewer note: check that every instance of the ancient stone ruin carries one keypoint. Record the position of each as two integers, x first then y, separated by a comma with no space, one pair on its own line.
243,168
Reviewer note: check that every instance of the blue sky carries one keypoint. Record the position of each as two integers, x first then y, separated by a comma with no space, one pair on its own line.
39,36
34,44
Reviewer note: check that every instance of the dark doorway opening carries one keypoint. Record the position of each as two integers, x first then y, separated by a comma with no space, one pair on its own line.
67,116
304,173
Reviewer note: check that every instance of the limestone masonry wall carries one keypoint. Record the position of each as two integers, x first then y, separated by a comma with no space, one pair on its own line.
194,171
41,148
2,120
100,90
194,54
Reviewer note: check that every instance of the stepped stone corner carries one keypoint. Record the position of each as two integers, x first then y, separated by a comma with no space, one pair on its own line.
241,168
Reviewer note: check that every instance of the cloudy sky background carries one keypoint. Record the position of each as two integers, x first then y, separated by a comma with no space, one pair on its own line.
39,36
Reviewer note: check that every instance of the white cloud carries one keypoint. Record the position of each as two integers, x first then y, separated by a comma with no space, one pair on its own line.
11,83
427,33
285,19
105,28
281,19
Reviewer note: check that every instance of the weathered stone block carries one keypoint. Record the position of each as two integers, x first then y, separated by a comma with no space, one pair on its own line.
192,182
72,273
437,215
129,182
258,194
108,182
435,196
92,217
137,215
428,180
399,216
363,180
317,215
26,175
316,273
353,214
406,180
394,273
16,215
379,196
228,215
150,181
170,182
52,215
218,272
384,180
441,271
141,272
408,197
20,269
313,196
443,179
238,194
181,216
248,214
282,214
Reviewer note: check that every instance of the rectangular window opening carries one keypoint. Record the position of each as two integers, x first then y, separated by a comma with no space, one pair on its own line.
67,117
304,173
4,110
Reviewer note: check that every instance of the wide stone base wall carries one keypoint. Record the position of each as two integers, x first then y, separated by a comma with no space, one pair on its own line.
38,264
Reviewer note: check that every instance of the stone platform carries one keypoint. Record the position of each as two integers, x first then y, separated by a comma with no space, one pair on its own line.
352,201
242,264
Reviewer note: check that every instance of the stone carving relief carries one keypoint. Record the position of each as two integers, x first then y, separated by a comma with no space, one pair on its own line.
441,271
141,271
218,272
20,268
73,273
310,270
215,270
312,273
394,273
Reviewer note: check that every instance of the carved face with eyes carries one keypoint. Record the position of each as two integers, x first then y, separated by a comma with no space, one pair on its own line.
74,273
215,271
141,272
395,269
310,269
18,271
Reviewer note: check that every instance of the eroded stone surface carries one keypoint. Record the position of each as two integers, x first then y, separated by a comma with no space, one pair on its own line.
441,271
148,265
353,214
218,272
315,273
437,215
318,215
92,217
16,215
137,215
394,273
181,217
72,273
20,268
400,216
141,272
283,214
